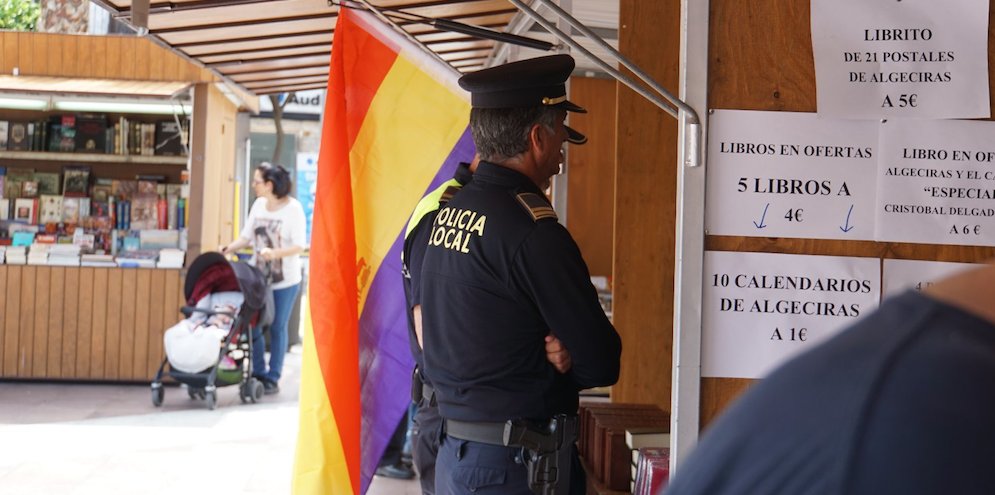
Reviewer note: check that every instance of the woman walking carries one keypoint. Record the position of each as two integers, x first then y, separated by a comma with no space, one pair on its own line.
276,230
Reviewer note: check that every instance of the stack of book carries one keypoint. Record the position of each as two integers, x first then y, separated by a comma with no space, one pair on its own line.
17,255
652,470
171,258
93,133
159,239
38,254
103,260
63,255
138,258
644,442
602,442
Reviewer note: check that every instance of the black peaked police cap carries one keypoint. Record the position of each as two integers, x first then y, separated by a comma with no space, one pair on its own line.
574,136
525,83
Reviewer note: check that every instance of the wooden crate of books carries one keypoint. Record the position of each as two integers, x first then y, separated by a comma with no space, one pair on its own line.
602,441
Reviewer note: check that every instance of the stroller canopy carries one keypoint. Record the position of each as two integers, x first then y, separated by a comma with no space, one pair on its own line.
212,272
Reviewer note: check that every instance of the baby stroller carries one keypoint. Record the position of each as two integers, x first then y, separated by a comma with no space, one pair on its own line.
213,277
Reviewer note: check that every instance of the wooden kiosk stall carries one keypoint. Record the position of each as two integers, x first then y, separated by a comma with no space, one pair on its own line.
106,323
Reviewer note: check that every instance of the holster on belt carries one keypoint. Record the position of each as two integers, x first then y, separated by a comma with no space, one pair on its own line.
416,386
549,450
421,390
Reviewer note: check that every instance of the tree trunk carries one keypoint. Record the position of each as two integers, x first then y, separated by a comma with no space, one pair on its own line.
278,123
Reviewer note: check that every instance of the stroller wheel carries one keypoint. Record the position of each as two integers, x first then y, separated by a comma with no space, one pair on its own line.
158,393
212,399
251,391
195,393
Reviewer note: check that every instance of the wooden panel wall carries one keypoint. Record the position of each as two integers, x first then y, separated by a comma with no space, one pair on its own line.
591,178
760,58
212,170
98,57
645,207
67,323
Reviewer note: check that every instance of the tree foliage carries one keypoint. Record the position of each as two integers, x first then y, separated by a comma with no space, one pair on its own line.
19,15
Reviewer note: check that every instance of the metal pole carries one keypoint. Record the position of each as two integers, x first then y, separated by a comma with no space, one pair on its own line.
690,239
519,24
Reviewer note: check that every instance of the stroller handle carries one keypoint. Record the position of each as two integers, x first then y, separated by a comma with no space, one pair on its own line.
190,310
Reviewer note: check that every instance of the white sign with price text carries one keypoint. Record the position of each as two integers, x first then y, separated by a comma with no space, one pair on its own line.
788,174
936,182
909,58
761,309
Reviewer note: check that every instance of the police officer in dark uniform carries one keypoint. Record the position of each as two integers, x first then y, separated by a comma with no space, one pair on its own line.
427,424
500,274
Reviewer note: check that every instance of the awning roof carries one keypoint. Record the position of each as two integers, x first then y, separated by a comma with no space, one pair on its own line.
276,46
96,87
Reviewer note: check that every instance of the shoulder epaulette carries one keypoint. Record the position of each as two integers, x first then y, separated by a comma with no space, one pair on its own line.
536,205
448,194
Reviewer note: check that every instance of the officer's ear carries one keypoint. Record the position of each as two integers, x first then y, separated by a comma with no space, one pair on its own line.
540,137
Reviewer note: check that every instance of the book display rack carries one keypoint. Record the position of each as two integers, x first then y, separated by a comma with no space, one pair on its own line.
89,204
100,207
119,174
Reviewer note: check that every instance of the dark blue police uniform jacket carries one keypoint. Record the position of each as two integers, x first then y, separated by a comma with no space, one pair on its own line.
497,277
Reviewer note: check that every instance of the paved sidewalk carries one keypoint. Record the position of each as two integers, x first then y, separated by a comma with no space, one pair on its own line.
76,439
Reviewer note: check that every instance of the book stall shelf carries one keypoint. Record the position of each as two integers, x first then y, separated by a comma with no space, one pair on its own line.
122,168
91,243
52,156
93,189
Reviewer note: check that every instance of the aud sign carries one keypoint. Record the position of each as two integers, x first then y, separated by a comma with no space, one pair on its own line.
311,102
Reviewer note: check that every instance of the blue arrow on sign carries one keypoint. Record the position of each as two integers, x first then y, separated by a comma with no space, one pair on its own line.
847,227
761,224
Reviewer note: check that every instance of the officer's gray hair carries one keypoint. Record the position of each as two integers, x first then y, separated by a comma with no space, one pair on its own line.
502,133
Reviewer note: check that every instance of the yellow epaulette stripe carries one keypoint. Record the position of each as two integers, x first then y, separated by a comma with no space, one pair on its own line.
537,206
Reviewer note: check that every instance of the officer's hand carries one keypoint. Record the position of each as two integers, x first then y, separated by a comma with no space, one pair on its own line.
556,354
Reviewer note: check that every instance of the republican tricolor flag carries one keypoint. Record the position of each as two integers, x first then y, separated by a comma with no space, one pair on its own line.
395,127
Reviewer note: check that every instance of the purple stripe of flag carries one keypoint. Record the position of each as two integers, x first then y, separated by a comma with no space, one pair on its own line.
385,360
